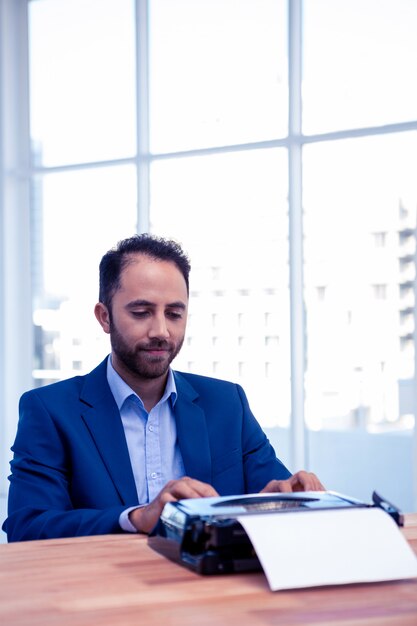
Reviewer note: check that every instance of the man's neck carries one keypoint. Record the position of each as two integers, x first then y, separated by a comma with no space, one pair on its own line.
149,390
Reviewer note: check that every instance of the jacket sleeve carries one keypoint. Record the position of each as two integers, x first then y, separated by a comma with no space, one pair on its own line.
40,504
260,462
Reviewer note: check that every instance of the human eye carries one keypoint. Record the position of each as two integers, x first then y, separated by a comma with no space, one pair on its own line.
174,315
139,314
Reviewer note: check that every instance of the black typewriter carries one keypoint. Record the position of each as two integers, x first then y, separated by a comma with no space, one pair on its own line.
204,535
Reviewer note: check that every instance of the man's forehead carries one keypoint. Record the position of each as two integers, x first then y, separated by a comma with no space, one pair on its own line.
148,271
138,259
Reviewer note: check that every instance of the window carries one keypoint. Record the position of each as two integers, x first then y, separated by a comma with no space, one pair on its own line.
366,39
83,103
360,280
219,94
294,194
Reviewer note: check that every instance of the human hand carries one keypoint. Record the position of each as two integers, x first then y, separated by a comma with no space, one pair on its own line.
301,481
145,518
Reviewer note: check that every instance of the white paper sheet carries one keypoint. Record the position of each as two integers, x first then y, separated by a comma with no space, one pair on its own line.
334,547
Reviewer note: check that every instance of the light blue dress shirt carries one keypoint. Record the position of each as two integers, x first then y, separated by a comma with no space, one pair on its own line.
151,439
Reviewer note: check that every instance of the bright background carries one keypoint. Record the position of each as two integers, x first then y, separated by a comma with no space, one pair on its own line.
276,141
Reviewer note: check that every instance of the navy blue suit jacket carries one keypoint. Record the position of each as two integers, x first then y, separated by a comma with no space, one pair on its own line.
71,472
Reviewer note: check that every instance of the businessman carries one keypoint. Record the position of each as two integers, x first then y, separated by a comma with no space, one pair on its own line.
103,453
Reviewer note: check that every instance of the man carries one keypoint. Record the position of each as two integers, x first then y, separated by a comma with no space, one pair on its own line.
104,452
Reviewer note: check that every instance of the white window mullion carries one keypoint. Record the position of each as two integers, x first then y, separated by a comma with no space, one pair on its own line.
15,283
142,116
414,469
297,432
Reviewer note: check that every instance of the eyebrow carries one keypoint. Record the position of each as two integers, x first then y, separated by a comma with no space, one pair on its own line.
170,305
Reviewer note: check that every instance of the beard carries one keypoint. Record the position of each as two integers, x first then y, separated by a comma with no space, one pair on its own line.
138,360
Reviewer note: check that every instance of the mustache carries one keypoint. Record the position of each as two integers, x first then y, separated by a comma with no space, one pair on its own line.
157,344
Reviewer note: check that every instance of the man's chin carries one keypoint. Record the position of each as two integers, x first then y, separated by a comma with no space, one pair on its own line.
153,368
152,374
146,365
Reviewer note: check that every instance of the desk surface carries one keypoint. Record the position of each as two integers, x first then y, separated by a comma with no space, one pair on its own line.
115,580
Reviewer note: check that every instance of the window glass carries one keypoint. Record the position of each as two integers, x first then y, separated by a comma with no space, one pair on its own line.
360,358
218,77
76,217
218,72
230,213
359,63
82,86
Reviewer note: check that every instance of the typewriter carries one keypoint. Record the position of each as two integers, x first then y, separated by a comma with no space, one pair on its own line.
204,535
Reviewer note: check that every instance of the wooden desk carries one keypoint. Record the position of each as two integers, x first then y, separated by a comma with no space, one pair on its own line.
117,580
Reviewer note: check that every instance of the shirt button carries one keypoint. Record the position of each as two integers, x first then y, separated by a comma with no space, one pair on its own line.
151,428
153,475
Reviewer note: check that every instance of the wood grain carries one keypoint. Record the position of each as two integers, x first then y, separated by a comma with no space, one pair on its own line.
115,580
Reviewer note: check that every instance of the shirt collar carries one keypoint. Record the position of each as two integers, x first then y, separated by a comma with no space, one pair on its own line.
121,390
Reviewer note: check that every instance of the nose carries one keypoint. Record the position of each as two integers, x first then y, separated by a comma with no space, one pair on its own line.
158,327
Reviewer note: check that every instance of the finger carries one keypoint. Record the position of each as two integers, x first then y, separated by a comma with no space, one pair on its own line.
145,518
313,483
270,487
277,486
203,489
189,488
306,481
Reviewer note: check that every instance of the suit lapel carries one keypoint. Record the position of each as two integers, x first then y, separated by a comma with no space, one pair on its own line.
192,431
101,416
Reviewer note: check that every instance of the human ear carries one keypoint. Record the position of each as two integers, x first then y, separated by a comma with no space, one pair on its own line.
103,317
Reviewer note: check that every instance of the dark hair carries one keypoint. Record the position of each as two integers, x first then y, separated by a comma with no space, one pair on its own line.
116,259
